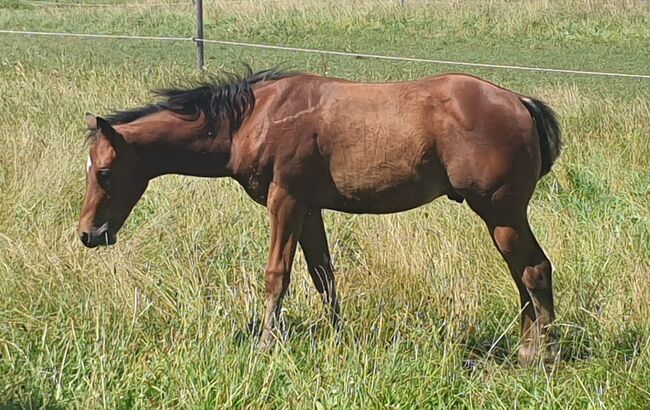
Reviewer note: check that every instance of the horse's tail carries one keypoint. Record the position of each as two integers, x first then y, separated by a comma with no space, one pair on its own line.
548,131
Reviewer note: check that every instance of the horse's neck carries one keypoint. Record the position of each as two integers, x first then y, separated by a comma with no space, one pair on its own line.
167,144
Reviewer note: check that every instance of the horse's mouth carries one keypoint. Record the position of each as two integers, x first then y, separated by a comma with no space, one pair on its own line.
101,237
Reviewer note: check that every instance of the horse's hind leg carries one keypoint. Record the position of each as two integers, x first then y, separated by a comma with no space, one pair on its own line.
313,242
530,268
532,272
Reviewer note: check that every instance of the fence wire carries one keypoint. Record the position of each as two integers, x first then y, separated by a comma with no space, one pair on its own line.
331,52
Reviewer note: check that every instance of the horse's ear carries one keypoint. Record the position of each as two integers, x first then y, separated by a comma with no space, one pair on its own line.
115,138
91,121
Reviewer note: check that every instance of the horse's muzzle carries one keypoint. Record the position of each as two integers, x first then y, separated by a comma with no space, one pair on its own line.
95,239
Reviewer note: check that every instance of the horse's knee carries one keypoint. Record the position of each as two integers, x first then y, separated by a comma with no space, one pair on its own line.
276,277
538,277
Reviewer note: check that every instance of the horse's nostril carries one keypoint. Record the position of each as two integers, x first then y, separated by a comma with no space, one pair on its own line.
85,238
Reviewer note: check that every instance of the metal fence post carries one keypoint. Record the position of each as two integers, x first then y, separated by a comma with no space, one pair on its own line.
200,55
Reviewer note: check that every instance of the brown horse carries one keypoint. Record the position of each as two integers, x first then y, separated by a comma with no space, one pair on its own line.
300,143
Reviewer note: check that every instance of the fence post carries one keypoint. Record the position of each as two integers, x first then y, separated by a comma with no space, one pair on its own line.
200,55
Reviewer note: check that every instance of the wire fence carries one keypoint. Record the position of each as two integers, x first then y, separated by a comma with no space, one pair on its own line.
327,52
189,3
200,41
107,5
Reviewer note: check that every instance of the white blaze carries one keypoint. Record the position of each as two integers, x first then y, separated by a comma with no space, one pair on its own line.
89,164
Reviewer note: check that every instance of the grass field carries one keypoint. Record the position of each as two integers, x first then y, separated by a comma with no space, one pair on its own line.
430,312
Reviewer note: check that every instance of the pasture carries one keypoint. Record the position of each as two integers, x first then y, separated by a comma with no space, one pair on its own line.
430,313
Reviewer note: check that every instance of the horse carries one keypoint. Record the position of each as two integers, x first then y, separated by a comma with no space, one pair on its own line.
299,143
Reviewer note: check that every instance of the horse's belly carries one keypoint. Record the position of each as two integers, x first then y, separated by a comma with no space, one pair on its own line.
386,191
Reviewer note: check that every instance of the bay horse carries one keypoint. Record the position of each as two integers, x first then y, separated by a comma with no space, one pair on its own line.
299,143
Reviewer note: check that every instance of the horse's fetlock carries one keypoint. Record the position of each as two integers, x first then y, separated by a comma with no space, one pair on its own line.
538,277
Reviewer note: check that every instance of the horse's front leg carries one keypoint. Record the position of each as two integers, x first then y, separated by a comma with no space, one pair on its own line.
287,216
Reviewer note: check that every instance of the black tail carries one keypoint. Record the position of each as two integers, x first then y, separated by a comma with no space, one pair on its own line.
548,131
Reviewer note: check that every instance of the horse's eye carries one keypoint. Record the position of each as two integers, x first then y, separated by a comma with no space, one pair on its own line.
105,178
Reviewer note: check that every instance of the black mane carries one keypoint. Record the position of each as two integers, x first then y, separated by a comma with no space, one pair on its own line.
226,97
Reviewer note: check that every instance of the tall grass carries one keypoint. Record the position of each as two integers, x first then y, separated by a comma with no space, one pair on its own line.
430,313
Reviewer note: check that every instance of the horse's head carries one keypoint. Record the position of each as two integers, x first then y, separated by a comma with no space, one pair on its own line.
114,183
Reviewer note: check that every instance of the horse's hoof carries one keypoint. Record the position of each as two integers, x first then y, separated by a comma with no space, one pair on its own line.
528,355
536,353
264,347
266,342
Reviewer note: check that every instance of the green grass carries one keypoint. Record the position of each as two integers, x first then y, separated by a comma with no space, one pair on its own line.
160,320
